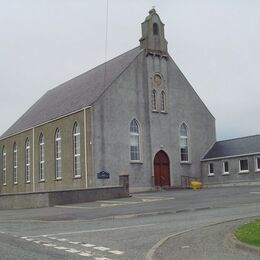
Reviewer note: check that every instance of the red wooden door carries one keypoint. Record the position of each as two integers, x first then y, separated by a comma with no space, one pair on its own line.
161,169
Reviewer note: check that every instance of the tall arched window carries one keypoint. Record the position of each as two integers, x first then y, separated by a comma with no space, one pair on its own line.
15,163
41,158
163,101
76,150
57,154
27,161
184,151
134,140
155,29
154,103
4,166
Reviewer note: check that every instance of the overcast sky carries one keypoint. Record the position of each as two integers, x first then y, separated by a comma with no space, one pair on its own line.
214,42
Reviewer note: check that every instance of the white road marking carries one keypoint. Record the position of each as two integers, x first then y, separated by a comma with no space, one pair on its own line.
49,245
75,207
61,247
116,202
80,252
255,192
74,243
149,196
153,199
88,245
95,230
101,248
72,250
110,203
116,252
85,254
184,247
62,239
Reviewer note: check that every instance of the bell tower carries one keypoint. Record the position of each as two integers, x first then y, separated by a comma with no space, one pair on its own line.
153,34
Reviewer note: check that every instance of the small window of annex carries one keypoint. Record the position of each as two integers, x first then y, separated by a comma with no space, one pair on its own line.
243,165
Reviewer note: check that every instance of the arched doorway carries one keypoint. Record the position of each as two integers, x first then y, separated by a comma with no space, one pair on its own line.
161,169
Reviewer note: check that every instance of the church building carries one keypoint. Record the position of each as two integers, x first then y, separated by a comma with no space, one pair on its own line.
135,114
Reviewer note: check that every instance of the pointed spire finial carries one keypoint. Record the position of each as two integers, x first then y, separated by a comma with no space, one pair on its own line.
152,11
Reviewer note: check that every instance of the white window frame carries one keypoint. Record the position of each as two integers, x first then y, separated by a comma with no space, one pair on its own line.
15,165
224,170
257,169
27,161
58,158
4,155
239,164
184,138
41,158
135,135
76,147
209,170
154,100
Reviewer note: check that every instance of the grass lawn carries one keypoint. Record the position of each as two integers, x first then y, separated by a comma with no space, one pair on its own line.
249,233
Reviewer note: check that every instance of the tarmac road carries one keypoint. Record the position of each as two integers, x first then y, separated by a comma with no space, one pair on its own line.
129,228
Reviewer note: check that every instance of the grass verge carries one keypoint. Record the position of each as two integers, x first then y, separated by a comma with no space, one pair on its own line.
249,233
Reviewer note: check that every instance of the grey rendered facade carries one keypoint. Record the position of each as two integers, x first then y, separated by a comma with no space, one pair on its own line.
232,162
68,181
130,113
130,97
104,111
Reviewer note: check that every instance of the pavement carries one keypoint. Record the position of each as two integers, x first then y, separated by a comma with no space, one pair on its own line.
203,244
171,224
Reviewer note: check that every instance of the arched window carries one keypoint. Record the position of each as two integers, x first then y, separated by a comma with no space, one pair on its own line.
134,140
41,158
27,161
155,29
76,150
57,154
184,151
154,103
4,166
163,101
15,163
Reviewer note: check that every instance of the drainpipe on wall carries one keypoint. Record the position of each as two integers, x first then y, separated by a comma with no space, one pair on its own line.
33,180
85,147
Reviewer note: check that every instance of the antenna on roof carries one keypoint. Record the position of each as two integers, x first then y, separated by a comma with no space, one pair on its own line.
105,66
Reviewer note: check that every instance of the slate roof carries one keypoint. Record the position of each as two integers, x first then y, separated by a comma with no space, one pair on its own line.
234,147
74,94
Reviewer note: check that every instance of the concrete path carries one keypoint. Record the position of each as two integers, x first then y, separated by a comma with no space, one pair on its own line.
202,243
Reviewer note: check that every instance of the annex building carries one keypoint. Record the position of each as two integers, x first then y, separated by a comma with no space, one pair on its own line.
135,114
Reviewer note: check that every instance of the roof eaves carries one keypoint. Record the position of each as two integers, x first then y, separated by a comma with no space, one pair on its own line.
229,156
239,138
43,123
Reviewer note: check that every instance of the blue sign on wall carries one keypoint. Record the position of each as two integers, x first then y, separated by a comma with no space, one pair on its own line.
103,175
